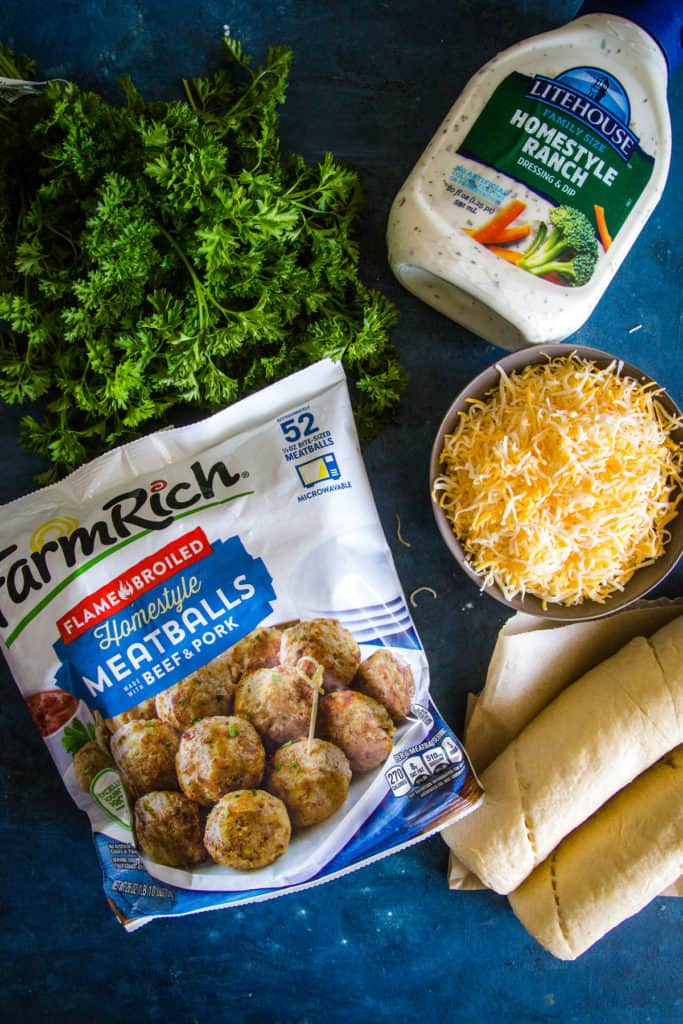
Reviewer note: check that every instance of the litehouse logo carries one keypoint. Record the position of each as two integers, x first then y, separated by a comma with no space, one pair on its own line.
594,97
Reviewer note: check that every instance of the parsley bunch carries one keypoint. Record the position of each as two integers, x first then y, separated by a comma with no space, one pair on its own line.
165,255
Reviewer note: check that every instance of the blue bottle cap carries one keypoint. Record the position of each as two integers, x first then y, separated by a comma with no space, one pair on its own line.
663,21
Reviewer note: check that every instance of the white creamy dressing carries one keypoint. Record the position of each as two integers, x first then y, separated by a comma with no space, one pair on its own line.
431,254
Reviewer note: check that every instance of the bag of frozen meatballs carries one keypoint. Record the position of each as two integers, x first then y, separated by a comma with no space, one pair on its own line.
210,634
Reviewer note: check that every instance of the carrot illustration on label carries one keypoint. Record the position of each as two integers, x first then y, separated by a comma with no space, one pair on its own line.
604,234
512,234
490,232
511,255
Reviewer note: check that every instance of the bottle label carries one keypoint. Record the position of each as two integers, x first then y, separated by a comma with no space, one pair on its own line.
541,143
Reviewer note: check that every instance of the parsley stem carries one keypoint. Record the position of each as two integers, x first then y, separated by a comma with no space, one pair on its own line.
266,72
200,291
190,98
196,283
63,236
8,69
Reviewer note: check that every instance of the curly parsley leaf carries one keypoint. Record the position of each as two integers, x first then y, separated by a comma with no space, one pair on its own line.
167,255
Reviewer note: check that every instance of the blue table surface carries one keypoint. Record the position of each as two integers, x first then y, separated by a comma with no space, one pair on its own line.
370,82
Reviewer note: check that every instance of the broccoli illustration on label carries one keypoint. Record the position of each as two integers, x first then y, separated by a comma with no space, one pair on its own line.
566,246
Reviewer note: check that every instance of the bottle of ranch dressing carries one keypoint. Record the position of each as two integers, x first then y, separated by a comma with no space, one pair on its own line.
538,182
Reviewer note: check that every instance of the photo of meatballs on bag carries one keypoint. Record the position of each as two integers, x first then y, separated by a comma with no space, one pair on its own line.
312,779
142,712
326,642
217,755
88,761
277,701
144,753
208,691
247,829
359,725
258,649
169,829
255,747
389,680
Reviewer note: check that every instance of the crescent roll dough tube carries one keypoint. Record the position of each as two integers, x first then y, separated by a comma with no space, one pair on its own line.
610,867
592,740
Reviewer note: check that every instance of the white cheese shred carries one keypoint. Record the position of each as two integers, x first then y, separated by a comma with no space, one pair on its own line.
562,481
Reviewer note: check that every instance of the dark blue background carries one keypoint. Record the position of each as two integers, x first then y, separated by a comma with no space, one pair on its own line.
370,82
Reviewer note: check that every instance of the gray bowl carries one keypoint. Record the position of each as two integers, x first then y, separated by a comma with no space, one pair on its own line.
643,580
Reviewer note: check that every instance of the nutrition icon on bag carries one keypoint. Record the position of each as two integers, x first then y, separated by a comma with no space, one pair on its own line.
415,773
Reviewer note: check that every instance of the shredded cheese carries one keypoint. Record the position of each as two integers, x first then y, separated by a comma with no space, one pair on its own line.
562,481
421,590
402,540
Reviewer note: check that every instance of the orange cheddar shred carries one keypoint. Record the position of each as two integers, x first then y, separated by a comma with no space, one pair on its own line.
562,481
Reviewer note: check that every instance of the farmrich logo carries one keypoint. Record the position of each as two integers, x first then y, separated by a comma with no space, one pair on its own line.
593,97
128,516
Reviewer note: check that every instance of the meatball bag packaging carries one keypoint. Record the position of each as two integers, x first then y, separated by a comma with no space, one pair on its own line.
210,634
